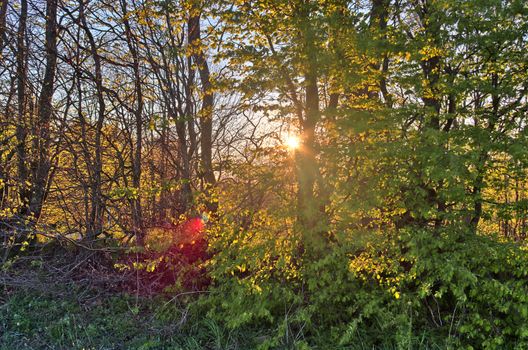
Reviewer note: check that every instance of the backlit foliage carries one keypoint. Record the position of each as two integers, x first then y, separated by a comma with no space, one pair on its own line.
315,173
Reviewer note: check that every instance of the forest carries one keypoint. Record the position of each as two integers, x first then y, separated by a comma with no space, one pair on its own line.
263,174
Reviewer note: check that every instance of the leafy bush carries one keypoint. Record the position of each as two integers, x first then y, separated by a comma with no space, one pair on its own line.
412,289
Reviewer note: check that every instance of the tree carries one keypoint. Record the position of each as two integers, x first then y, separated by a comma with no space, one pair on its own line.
41,170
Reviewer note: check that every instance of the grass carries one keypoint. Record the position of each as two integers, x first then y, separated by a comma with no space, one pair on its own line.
46,312
30,320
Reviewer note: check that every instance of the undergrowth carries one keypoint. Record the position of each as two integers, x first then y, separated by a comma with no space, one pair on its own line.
32,320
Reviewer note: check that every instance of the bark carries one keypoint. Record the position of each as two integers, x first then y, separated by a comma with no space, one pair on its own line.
181,125
41,169
431,70
378,21
3,15
95,226
307,165
311,200
137,216
484,156
182,117
206,114
21,127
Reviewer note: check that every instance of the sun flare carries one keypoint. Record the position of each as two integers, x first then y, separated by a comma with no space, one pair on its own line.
293,142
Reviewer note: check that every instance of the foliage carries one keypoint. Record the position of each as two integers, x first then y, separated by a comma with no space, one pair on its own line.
415,291
397,220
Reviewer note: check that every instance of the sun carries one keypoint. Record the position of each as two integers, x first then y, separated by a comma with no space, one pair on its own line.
293,142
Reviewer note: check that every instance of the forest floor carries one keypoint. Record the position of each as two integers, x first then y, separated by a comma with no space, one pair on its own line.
79,301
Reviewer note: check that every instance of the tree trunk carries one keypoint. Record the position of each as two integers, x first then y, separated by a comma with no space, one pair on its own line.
206,114
137,216
45,110
3,15
21,126
95,226
311,200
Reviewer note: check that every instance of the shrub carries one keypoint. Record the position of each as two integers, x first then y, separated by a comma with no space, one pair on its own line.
410,289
